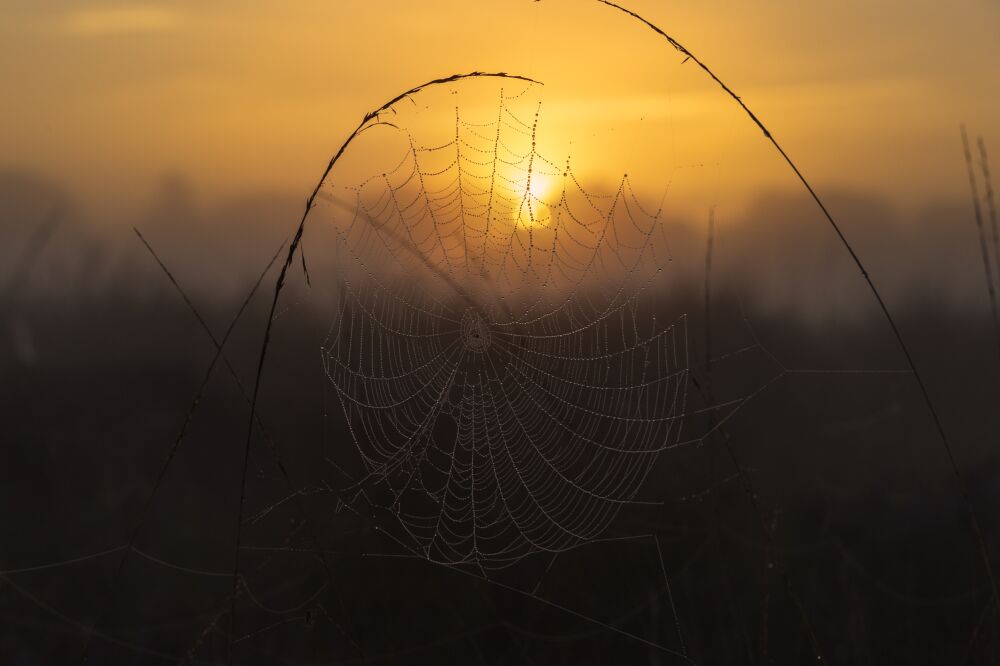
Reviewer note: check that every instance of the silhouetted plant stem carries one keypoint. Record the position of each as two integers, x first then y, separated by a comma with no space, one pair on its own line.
366,122
991,206
939,426
981,231
147,504
272,446
708,299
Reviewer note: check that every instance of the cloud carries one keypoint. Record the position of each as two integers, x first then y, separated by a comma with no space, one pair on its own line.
120,20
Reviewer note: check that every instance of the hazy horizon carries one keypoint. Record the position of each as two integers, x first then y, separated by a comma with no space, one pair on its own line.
107,97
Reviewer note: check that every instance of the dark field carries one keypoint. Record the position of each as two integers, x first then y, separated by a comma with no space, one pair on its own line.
872,550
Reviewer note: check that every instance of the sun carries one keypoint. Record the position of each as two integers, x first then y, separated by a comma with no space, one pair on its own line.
536,210
543,186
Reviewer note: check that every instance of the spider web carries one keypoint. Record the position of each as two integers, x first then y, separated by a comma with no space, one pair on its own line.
506,386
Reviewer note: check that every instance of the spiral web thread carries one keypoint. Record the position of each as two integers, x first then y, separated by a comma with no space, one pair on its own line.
506,386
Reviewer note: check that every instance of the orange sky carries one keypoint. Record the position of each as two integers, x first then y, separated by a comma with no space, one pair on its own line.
106,97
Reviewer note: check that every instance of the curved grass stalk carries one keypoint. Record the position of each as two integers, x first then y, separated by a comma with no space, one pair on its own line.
932,410
370,119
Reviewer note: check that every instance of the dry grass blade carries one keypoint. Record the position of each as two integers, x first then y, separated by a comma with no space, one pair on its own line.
271,444
981,231
709,246
366,122
182,431
932,410
991,205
